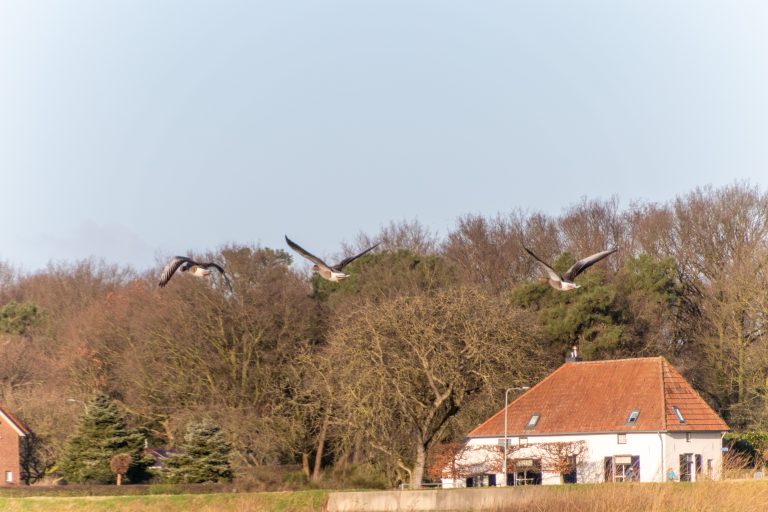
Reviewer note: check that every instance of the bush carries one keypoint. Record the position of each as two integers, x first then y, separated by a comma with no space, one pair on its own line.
361,476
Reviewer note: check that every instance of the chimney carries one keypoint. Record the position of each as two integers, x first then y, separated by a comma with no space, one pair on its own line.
573,355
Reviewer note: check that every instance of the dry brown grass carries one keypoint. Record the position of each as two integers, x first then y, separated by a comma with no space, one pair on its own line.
737,464
706,496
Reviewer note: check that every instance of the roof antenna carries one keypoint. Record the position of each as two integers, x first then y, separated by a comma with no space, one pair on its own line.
573,355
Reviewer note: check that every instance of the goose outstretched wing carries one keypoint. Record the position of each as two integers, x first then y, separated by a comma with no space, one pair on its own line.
343,263
583,264
171,269
221,271
311,257
552,274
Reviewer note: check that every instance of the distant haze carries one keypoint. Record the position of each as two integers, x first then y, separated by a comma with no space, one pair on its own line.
133,130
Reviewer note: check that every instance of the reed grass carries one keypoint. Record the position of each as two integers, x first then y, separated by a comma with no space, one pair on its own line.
705,496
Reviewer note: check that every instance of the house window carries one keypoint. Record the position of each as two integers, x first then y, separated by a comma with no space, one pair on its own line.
621,438
710,469
678,414
622,468
632,418
9,476
533,421
482,480
687,437
522,441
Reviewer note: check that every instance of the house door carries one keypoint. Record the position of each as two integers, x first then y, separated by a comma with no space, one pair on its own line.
528,477
686,467
527,472
569,477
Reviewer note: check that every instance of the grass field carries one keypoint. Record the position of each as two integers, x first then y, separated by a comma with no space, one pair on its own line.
729,496
300,501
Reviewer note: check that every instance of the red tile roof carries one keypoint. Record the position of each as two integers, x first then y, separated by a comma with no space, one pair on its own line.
598,396
11,419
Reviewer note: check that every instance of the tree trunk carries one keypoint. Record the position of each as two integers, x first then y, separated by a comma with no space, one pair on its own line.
740,371
319,452
417,475
305,464
119,479
357,451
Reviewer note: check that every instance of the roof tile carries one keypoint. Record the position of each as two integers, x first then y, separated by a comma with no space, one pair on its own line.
598,396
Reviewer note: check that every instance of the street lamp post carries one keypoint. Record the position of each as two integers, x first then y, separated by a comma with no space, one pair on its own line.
506,403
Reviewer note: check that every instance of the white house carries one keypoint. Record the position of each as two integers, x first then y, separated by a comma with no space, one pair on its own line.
621,420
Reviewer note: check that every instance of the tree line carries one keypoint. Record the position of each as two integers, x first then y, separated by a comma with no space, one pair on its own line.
410,352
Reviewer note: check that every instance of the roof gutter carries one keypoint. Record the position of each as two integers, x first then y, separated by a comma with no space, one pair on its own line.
596,432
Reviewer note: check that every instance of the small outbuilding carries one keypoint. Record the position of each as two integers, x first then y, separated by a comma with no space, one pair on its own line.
596,421
13,439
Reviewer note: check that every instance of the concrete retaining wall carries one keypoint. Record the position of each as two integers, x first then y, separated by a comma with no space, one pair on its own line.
426,500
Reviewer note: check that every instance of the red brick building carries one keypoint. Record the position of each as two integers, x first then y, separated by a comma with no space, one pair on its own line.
13,436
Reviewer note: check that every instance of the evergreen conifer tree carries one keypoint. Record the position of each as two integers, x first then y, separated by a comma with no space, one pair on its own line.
102,433
205,456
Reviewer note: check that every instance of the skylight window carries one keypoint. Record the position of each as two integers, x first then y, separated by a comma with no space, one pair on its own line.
632,418
678,414
533,421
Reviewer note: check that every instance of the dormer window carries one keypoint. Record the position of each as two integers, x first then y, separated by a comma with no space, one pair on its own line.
533,421
678,414
632,418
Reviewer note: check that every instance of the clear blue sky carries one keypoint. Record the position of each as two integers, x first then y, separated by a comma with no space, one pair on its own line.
136,129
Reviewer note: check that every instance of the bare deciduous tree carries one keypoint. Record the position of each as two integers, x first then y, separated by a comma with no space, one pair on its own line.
406,366
561,457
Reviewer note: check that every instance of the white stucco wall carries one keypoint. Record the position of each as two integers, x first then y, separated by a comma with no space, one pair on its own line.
657,452
707,444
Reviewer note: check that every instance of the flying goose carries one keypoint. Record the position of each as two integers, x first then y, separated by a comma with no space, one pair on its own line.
565,282
185,264
330,273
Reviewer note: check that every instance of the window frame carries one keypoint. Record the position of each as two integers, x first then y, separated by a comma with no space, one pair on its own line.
533,421
629,471
678,414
